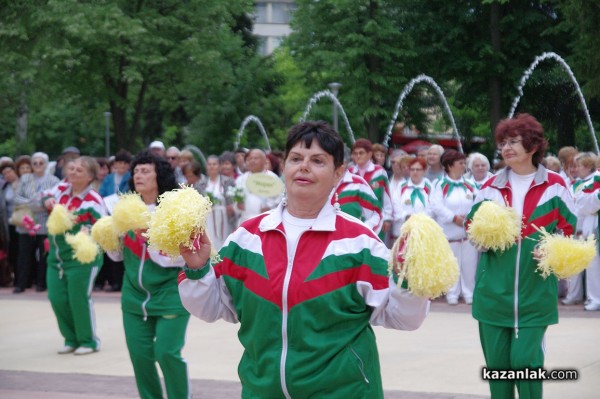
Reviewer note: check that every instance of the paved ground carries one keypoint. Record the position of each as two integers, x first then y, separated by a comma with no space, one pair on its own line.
441,360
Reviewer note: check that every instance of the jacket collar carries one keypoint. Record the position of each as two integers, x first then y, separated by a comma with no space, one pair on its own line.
325,220
501,180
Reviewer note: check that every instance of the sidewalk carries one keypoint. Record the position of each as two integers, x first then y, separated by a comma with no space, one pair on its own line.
441,360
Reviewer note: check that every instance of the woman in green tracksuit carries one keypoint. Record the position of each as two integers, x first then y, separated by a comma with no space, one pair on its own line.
154,319
513,303
69,281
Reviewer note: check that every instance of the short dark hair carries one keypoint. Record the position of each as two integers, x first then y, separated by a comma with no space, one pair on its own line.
449,157
228,156
195,167
123,156
326,136
165,175
531,132
6,165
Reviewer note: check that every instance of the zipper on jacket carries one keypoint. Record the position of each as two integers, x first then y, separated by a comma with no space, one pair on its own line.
361,366
284,315
516,295
140,273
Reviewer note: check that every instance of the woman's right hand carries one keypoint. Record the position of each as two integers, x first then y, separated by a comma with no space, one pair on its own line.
49,203
197,256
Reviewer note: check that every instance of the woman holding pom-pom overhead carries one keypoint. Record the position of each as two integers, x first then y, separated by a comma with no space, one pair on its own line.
513,302
305,281
70,280
154,319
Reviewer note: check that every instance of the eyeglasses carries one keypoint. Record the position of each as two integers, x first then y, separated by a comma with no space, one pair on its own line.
172,158
511,143
416,169
38,163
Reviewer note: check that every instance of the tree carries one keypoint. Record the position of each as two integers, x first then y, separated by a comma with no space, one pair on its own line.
360,44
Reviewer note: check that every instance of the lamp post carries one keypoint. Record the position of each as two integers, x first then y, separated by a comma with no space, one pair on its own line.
107,133
335,88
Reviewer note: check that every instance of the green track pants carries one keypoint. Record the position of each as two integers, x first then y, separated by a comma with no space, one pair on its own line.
504,350
158,339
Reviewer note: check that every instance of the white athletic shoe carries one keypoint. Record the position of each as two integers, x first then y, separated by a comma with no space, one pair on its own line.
592,306
83,350
452,301
63,350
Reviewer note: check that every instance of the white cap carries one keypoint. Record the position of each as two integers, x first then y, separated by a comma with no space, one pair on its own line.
157,144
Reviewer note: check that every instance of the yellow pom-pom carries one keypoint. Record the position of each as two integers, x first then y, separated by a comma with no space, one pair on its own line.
494,227
85,249
130,213
564,256
179,216
60,220
427,261
105,233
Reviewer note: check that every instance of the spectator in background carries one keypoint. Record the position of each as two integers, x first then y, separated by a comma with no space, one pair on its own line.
23,165
9,192
451,200
227,160
117,181
157,148
103,171
254,204
479,169
422,152
379,155
172,155
185,157
67,155
435,170
240,161
273,164
552,163
193,174
32,254
566,155
400,171
376,176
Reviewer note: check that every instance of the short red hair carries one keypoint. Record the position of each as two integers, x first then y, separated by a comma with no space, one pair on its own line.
531,132
418,160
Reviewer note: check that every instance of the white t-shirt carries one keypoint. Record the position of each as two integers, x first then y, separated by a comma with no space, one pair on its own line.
519,185
294,227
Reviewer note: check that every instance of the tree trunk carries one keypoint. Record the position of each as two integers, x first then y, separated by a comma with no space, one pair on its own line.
494,83
21,123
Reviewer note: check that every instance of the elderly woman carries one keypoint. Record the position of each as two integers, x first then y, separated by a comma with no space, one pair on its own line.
227,161
23,165
451,200
70,282
587,222
153,316
9,191
29,194
221,221
479,169
306,282
413,195
513,303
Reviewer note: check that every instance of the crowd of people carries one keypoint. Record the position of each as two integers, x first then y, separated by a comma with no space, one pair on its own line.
303,188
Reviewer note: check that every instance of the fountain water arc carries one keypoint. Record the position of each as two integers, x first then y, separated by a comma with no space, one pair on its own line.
326,93
405,91
563,63
245,122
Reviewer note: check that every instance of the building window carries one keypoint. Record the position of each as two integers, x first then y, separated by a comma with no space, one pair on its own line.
281,13
261,13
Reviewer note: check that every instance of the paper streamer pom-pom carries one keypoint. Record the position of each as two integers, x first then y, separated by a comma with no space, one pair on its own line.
179,216
130,213
564,256
429,265
105,233
494,227
85,249
60,220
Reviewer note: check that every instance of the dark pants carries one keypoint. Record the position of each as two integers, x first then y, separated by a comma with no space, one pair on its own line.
32,258
111,272
13,251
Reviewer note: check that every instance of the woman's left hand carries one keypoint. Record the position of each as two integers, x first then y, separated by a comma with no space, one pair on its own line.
196,257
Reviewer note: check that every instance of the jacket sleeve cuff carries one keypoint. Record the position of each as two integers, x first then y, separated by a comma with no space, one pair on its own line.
197,274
